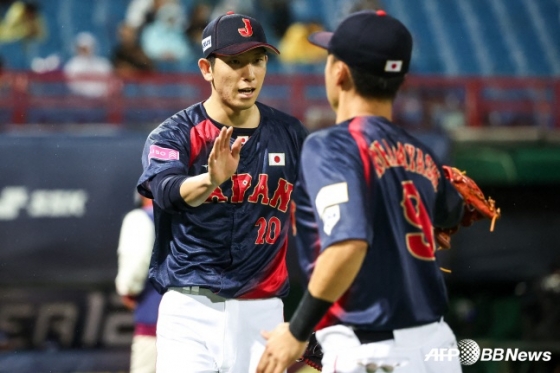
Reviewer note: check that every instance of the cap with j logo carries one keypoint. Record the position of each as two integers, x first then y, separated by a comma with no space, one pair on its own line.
232,34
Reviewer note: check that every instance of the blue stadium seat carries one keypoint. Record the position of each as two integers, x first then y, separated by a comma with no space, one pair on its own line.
426,56
14,56
461,37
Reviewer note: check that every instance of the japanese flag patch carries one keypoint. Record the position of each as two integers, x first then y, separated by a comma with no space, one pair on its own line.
244,139
393,66
276,159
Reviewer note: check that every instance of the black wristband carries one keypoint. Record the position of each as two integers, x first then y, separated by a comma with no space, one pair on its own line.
308,314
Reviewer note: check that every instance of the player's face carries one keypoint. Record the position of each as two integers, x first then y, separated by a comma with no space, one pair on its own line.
238,79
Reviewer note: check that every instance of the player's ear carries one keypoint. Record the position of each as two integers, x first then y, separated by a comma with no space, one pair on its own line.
206,69
342,74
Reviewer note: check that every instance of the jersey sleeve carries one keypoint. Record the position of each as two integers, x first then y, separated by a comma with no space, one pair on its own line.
449,204
334,178
166,148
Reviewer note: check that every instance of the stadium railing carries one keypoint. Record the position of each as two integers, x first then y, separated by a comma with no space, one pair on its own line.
426,102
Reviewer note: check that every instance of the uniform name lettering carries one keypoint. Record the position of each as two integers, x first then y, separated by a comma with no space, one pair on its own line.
260,193
405,155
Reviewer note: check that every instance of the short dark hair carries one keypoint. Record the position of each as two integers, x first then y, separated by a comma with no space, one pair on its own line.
373,86
212,59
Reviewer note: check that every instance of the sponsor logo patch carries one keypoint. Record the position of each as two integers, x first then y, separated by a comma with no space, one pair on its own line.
163,154
206,43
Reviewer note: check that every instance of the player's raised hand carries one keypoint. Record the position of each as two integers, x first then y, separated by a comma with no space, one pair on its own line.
223,160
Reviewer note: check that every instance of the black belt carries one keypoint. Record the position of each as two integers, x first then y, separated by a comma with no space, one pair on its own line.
371,336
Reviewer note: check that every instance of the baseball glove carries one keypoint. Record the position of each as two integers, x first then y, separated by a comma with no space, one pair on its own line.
477,206
313,354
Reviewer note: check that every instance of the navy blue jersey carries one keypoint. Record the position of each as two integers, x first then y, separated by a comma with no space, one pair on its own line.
235,243
367,179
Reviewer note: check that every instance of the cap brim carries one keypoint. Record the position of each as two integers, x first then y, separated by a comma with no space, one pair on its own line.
235,49
321,39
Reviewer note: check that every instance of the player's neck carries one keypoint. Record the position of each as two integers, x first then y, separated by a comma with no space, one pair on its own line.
351,106
247,118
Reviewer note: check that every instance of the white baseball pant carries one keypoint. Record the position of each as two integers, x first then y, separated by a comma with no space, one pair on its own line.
199,332
406,353
143,354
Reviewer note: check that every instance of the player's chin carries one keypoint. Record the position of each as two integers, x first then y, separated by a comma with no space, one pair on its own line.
245,103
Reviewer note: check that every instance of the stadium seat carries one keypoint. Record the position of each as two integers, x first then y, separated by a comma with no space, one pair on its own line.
461,37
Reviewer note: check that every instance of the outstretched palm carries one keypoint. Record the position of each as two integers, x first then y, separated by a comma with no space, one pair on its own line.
223,160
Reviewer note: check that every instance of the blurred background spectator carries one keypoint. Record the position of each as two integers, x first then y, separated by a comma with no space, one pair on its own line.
276,16
295,48
164,39
198,18
238,6
128,57
358,5
142,12
86,71
23,21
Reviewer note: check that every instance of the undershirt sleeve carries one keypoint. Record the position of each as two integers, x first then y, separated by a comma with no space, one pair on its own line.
166,188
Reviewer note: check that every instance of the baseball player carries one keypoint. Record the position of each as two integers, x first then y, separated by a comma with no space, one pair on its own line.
221,173
368,198
136,242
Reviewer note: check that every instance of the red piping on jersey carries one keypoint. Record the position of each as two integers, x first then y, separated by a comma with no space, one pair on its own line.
355,129
333,314
202,134
145,329
269,286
